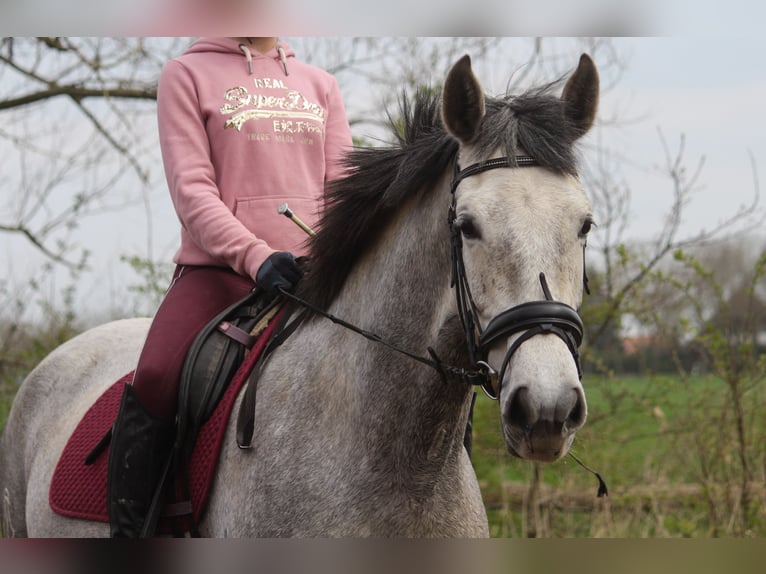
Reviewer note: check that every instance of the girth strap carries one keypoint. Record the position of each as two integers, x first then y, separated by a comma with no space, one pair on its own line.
246,416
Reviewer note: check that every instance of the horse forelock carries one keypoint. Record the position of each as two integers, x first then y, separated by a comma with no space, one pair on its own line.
359,206
534,124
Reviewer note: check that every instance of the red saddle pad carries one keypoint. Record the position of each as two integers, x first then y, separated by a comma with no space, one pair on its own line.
79,491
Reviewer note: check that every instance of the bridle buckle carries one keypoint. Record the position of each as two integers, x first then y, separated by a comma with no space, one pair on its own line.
490,382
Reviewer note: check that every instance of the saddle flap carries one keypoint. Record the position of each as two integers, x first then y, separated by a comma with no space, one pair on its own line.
216,354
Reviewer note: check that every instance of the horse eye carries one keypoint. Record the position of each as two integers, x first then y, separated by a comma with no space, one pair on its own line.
468,227
586,227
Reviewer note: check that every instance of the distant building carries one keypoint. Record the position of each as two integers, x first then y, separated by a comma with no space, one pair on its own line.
632,345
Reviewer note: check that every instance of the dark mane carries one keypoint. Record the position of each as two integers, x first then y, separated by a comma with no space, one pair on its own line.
359,206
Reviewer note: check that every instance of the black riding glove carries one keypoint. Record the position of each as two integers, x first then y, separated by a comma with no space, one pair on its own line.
280,270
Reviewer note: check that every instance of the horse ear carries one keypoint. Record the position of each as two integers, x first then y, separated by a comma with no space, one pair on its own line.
580,95
462,101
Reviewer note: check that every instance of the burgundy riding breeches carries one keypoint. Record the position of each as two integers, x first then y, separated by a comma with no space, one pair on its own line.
195,296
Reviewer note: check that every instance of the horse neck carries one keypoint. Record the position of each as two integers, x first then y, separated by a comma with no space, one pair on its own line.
401,290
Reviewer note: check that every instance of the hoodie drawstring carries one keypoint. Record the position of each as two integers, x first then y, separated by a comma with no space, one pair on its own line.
283,58
246,51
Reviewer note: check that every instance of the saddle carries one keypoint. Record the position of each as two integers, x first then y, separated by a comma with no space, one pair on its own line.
211,363
219,362
215,356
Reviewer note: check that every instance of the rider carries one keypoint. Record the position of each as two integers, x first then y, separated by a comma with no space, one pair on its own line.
244,127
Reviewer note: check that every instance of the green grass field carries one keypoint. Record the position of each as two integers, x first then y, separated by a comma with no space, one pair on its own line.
663,446
648,438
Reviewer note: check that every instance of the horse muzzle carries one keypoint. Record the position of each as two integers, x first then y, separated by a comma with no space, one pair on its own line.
544,433
543,408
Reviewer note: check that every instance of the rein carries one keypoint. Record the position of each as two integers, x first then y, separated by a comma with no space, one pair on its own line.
447,372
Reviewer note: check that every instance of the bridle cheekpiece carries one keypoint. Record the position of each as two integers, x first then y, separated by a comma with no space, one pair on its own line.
531,318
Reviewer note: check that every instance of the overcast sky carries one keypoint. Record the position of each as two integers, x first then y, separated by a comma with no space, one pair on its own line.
710,89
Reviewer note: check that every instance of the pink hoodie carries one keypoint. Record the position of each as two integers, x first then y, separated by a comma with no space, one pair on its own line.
242,132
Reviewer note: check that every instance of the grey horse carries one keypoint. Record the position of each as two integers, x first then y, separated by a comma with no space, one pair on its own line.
351,438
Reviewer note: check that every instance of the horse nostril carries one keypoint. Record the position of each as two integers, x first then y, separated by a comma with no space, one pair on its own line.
520,411
576,417
569,412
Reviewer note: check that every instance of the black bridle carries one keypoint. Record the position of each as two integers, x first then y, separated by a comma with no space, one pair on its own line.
531,318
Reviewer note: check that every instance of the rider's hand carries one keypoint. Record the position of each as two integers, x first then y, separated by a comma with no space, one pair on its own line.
280,270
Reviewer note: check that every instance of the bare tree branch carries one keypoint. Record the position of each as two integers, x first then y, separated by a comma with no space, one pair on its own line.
140,172
683,185
33,239
78,94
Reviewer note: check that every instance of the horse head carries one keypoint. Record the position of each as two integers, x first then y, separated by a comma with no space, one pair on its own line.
522,231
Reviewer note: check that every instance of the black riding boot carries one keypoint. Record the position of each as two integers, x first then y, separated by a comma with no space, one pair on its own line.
139,451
